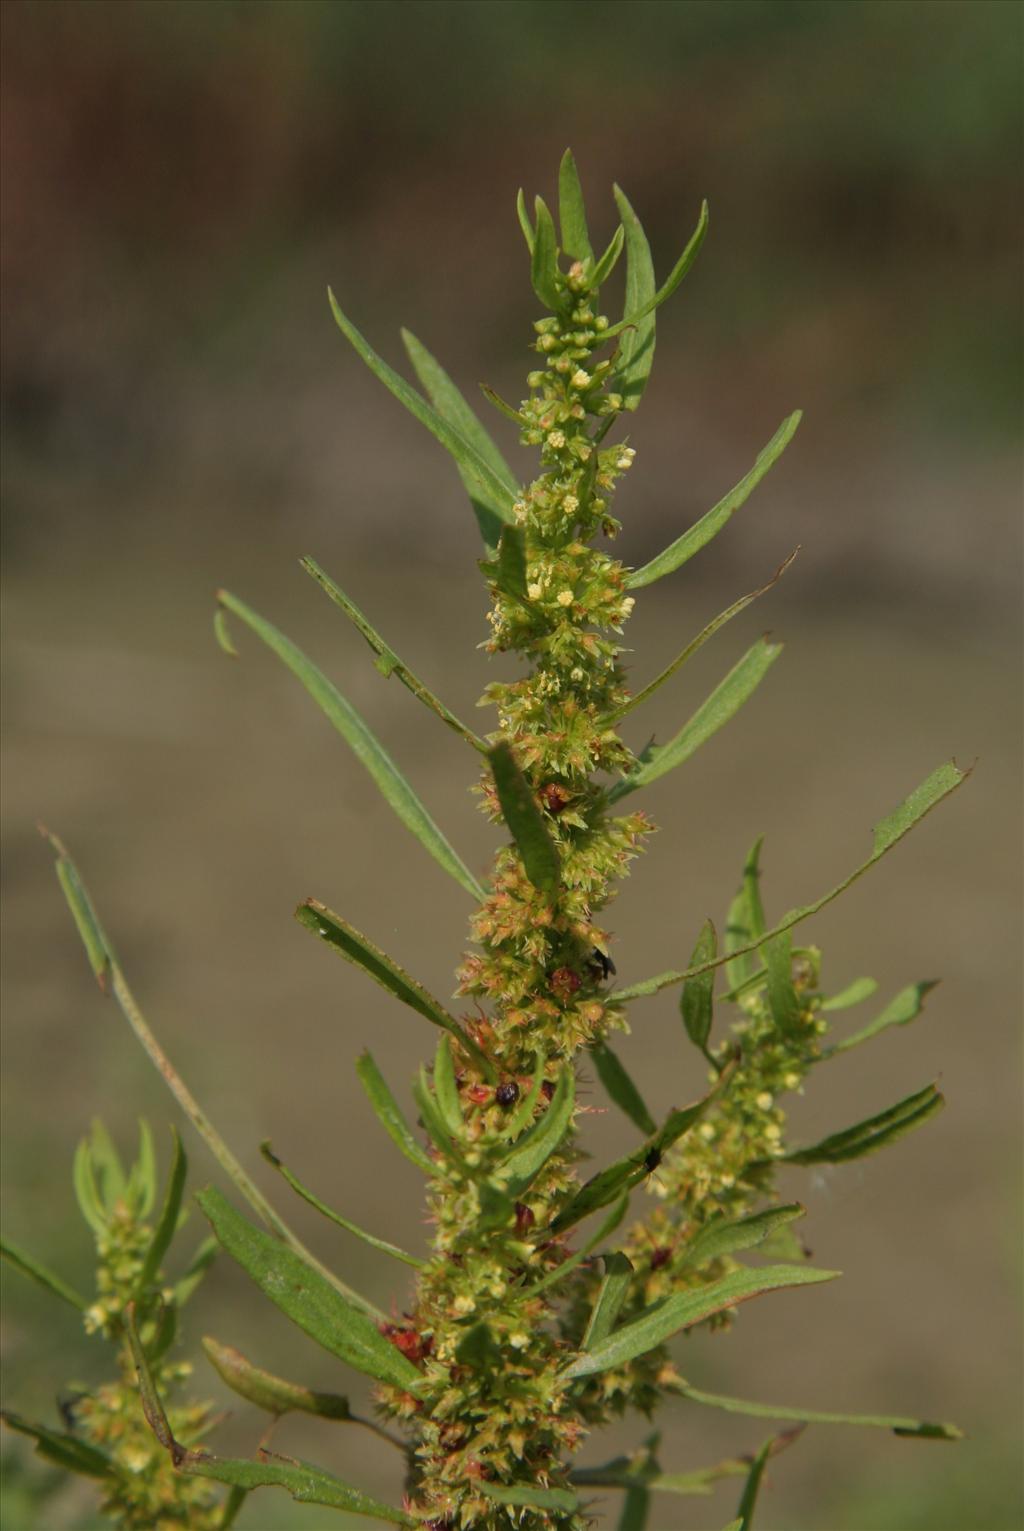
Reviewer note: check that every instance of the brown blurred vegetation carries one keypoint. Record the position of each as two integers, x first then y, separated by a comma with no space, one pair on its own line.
180,182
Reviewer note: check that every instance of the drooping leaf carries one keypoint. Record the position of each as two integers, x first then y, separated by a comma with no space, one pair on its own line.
336,1217
906,1007
711,523
169,1215
65,1451
728,1236
611,1294
544,273
698,643
389,1113
531,1152
36,1271
636,348
305,1297
679,271
874,1133
854,994
697,997
621,1088
525,820
783,1000
532,1498
493,499
304,1482
938,786
388,662
665,1318
717,709
572,214
364,744
629,1171
356,948
922,1429
267,1391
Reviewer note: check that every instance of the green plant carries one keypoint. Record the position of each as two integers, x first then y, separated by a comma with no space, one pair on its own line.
524,1330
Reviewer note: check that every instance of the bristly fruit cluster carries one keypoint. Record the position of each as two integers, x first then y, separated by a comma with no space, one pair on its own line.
521,1334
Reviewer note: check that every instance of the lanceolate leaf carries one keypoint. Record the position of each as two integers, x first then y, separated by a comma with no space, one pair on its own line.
604,1232
363,743
388,662
452,406
606,265
446,1090
676,275
723,703
625,1173
745,922
636,348
783,999
525,820
529,1155
572,215
65,1451
305,1483
748,1499
728,1236
169,1215
361,952
906,1007
31,1267
305,1297
611,1295
544,263
388,1112
621,1088
922,1429
336,1217
874,1133
524,220
494,497
269,1392
532,1498
710,524
672,1314
938,786
854,994
699,642
697,998
512,563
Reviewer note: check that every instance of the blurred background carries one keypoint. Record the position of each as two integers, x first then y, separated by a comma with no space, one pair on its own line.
180,183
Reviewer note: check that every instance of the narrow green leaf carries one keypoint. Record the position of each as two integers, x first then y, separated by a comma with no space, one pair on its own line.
641,1472
605,1231
362,741
142,1178
65,1451
874,1133
356,948
533,1498
665,1318
387,660
783,1000
606,265
452,405
106,1162
97,947
923,1429
699,642
336,1217
611,1294
628,1172
389,1113
36,1271
854,994
305,1297
745,921
748,1498
525,820
524,221
544,272
728,1236
529,1155
711,523
524,1112
636,348
152,1406
434,1123
906,1007
222,633
305,1483
446,1090
636,1507
937,787
734,1525
267,1391
194,1272
717,709
515,415
169,1215
572,214
621,1088
511,575
493,499
86,1190
635,317
697,997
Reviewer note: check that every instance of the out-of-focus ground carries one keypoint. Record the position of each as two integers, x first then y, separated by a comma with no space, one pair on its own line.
180,182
